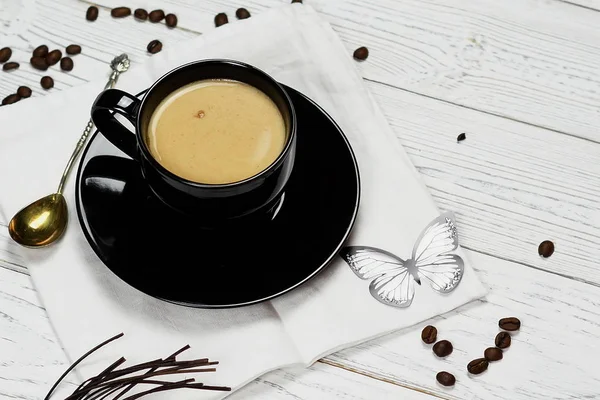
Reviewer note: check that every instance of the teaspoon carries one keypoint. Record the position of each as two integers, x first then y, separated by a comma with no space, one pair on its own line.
44,221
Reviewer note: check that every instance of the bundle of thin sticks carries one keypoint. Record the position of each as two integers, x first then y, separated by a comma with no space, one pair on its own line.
114,384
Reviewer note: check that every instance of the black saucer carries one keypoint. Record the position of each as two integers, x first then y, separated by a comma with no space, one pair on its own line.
165,255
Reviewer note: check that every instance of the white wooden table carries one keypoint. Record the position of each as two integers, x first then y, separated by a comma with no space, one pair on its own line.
520,77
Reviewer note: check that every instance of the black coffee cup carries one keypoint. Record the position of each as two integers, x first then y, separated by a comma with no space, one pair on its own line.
214,204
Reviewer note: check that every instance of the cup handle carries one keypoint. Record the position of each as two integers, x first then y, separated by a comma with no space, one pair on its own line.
117,101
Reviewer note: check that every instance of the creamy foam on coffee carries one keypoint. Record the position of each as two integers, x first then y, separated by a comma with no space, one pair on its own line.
216,131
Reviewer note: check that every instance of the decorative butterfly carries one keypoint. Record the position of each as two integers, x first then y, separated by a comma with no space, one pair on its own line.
394,282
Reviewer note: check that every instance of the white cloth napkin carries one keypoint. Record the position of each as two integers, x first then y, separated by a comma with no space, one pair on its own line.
87,303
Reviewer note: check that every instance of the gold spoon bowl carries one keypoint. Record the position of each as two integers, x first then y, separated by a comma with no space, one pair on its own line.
40,223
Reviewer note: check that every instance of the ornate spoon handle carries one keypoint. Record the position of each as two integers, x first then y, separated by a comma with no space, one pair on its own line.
118,65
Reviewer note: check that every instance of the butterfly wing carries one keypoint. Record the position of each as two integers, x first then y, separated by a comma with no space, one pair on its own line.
392,285
397,289
432,254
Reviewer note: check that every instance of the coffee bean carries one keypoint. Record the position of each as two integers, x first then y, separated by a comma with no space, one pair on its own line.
296,1
443,348
492,354
53,57
73,49
221,19
154,46
171,20
477,366
156,16
461,137
503,340
40,51
140,14
429,334
5,54
47,82
120,12
10,99
66,64
9,66
92,13
242,13
510,324
39,63
361,53
445,378
24,92
546,249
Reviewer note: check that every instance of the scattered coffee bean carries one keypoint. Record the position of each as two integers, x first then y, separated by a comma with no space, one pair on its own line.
10,99
92,13
443,348
221,19
47,82
171,20
53,57
461,137
5,54
477,366
40,51
156,16
503,340
9,66
73,49
66,64
445,378
296,1
492,354
39,63
429,334
120,12
510,324
154,46
24,92
546,249
361,53
242,13
140,14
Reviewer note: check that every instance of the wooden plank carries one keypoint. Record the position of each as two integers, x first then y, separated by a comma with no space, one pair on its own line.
58,23
551,357
503,58
10,255
589,4
323,381
32,360
519,59
526,60
512,185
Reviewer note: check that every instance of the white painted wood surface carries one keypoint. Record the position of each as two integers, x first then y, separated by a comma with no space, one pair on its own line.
511,184
519,59
591,4
437,68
